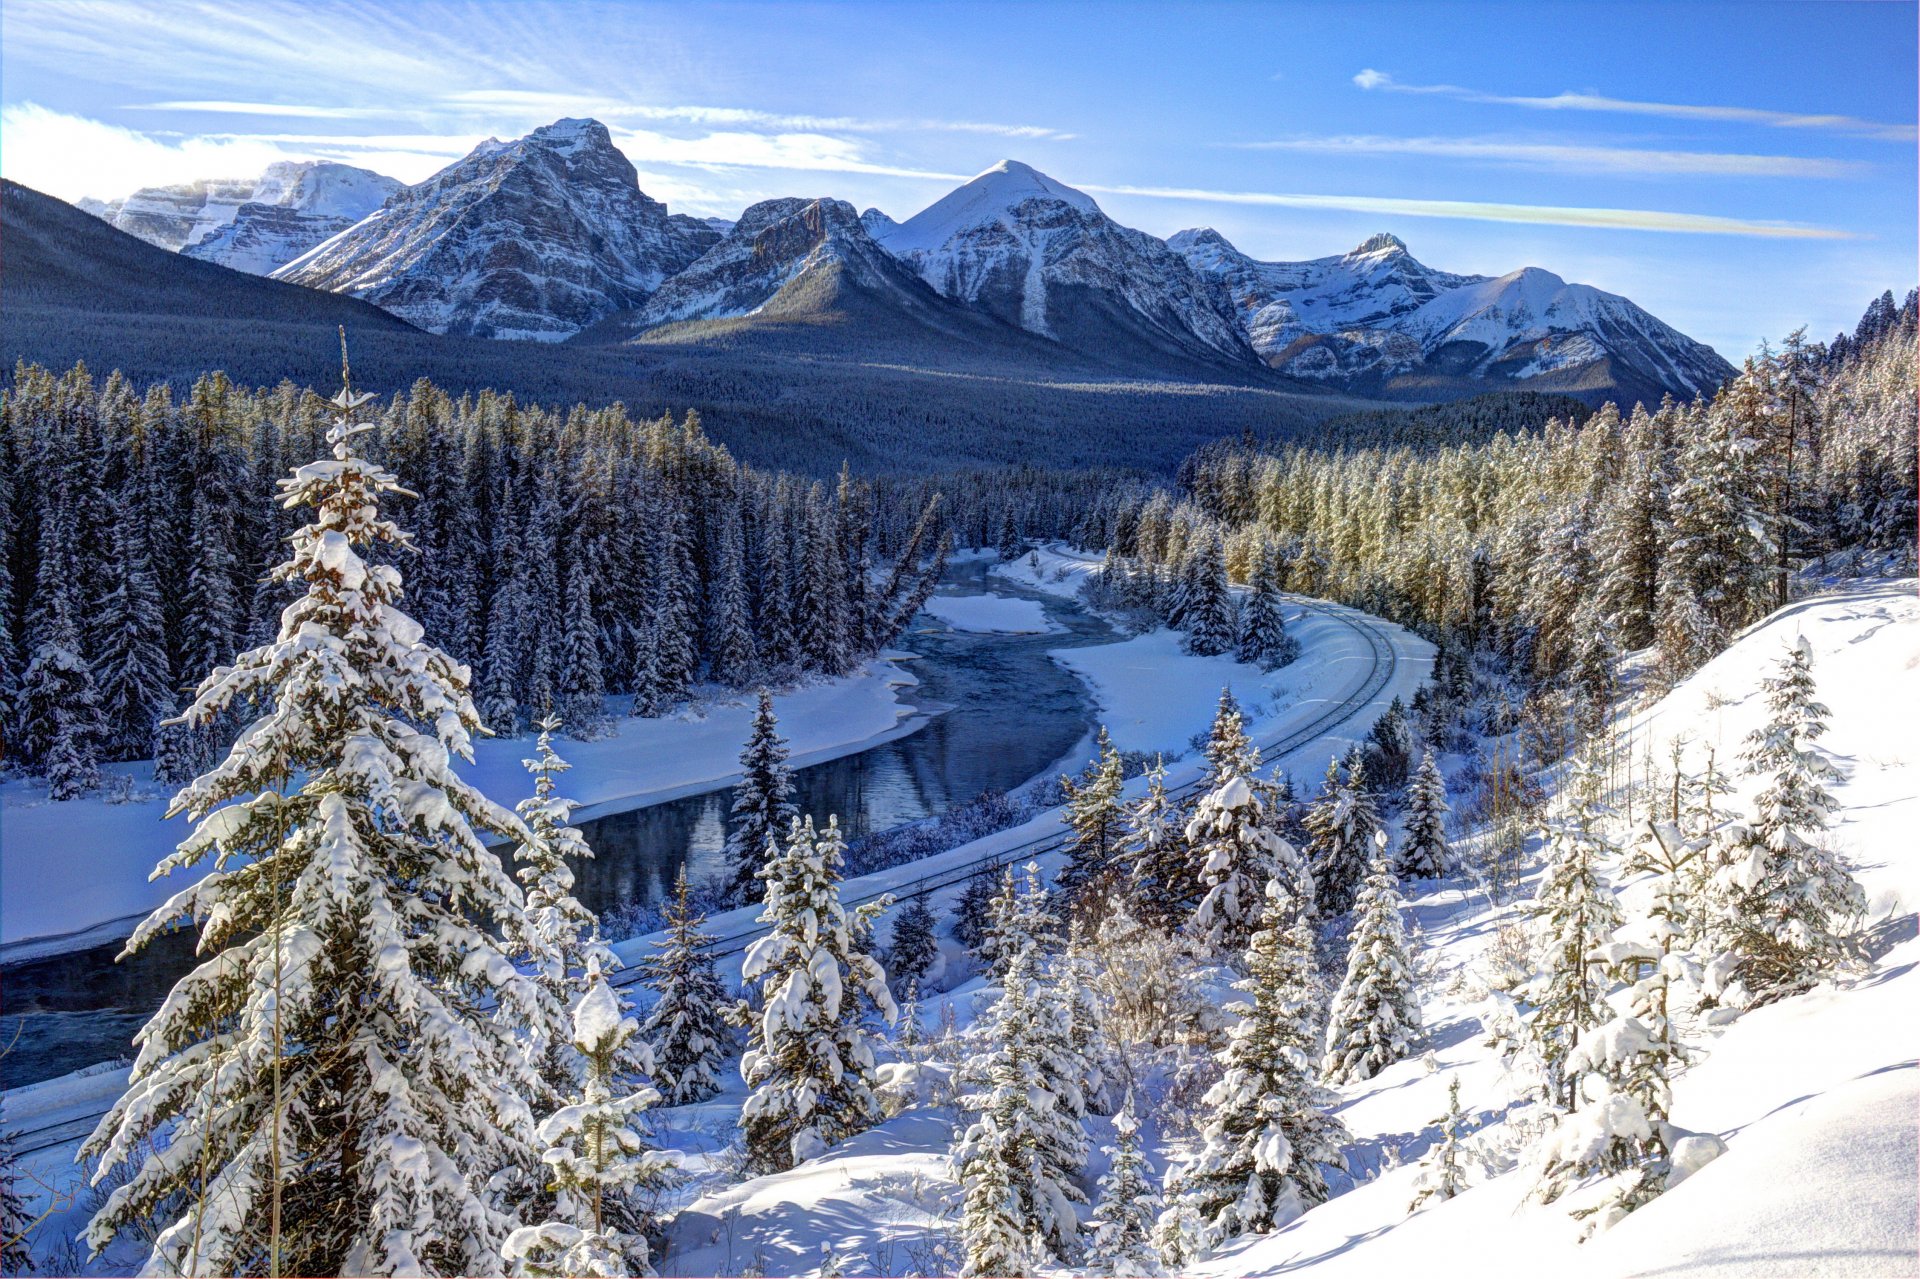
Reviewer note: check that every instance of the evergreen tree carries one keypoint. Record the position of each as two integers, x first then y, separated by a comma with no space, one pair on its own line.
915,942
973,913
60,711
1076,986
1128,1205
1269,1134
1207,611
1424,853
1340,826
686,1029
1021,919
347,1123
131,667
734,658
1018,1158
763,805
810,1052
1094,815
1238,854
1389,748
1165,884
1574,916
1264,640
1376,1012
563,937
1229,752
582,682
1796,905
1443,1173
596,1155
16,1253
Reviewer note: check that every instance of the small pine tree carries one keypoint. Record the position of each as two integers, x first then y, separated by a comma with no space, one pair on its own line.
1128,1205
1022,919
1270,1133
1238,853
595,1155
1163,880
16,1252
686,1029
1424,853
915,943
1443,1172
1094,814
1264,640
810,1051
1375,1012
763,807
1340,825
973,913
1389,748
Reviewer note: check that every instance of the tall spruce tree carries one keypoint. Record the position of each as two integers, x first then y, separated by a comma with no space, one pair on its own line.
1340,825
1094,815
916,943
130,667
1424,853
686,1028
335,1087
582,686
1376,1011
1269,1135
1163,880
1264,640
763,806
1232,839
1207,613
810,1050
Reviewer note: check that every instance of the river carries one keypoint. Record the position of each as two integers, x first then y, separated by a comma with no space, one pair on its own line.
1004,713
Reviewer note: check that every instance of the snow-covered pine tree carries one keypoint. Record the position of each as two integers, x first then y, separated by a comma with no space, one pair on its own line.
687,1028
973,913
335,1087
59,730
763,807
1229,751
1162,879
1574,916
1018,1158
1077,985
16,1251
1207,614
563,937
582,684
1341,823
130,666
915,943
1443,1172
1376,1012
596,1157
909,1032
810,1051
1389,748
1270,1133
1095,816
1238,854
1021,918
1796,905
731,629
1264,640
1424,853
1128,1205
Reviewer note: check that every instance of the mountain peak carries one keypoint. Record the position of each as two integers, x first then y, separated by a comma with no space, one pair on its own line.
1013,181
568,135
1379,245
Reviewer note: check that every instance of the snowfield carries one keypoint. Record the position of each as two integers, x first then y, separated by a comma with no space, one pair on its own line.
76,872
1816,1096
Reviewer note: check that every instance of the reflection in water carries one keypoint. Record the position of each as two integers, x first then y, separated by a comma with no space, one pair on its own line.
1014,713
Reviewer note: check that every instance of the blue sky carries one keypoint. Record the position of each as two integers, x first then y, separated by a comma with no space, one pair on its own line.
1739,169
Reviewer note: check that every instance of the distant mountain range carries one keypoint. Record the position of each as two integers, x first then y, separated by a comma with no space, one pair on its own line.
549,237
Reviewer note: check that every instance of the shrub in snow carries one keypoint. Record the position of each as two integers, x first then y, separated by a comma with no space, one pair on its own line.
686,1029
1094,815
595,1158
1424,853
1270,1133
1376,1012
1018,1157
1149,992
1128,1206
1443,1172
810,1051
763,805
339,1040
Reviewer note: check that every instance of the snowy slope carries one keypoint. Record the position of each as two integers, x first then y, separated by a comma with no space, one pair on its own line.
1039,254
294,207
1377,312
534,238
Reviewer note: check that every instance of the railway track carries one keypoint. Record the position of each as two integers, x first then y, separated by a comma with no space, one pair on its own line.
1383,664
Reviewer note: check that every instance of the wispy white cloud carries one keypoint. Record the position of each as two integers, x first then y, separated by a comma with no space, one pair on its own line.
1574,157
1382,81
1482,211
71,156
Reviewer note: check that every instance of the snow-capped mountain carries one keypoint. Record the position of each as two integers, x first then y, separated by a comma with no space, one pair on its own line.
1039,254
295,206
173,217
534,238
1363,318
774,246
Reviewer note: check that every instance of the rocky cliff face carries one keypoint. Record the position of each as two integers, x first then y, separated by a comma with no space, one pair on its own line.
535,238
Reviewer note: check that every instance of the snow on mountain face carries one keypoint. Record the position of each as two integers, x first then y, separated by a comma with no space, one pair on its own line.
294,207
305,200
535,238
1013,239
773,244
1377,311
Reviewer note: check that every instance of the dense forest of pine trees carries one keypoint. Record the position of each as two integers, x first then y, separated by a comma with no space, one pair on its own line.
562,556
